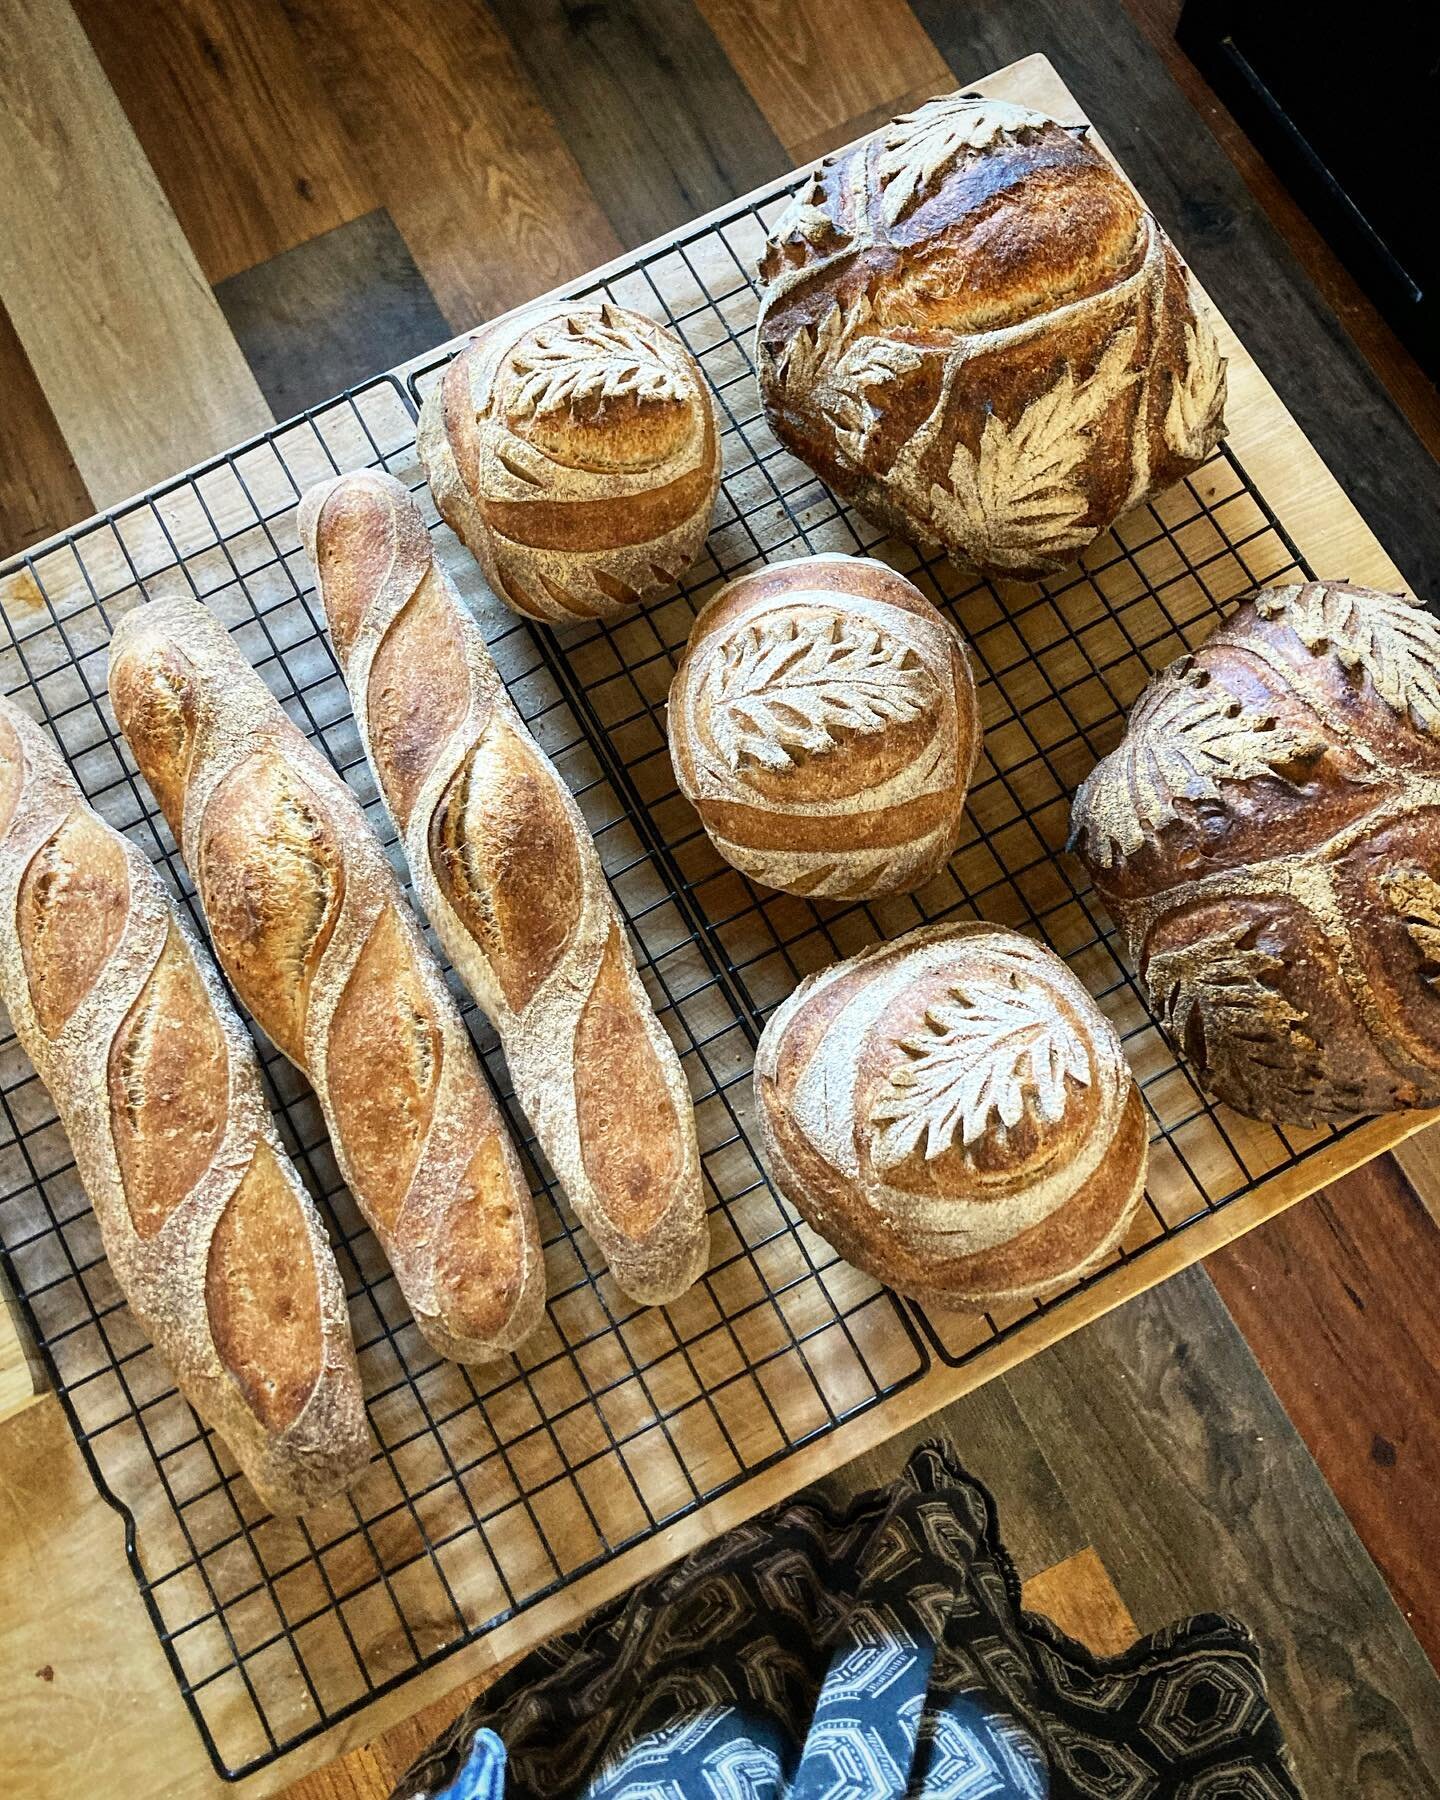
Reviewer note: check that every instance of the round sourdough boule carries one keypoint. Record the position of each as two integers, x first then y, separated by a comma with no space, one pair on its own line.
573,448
972,328
823,724
955,1115
1267,837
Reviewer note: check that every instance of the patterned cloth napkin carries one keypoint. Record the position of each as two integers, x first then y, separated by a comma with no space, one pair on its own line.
872,1656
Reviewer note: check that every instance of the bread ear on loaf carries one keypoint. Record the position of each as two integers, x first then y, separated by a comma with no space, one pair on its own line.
312,928
510,878
207,1228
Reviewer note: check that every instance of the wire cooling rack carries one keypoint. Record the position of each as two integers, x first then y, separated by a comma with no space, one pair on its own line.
493,1487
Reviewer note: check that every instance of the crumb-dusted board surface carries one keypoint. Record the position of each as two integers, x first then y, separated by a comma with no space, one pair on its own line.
530,1492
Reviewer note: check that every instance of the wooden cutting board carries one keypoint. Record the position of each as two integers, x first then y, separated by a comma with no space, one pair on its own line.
85,1689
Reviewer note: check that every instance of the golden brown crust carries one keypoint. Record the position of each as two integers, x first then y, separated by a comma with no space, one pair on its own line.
160,708
408,727
823,724
169,1084
272,882
262,1295
311,925
573,448
1267,836
70,912
618,1083
954,1114
208,1231
385,1051
973,330
505,856
507,872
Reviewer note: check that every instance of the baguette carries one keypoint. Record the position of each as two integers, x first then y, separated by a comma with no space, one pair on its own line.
310,925
509,875
208,1230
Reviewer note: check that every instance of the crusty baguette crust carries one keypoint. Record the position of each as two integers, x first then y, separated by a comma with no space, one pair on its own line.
311,926
259,1344
508,874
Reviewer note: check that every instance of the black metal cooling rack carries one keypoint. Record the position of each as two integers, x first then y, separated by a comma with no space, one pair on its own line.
494,1487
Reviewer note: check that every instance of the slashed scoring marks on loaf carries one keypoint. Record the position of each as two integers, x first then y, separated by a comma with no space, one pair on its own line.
583,363
273,914
918,148
480,1253
262,1295
787,688
385,1035
1388,637
618,1079
70,913
1186,735
408,726
154,690
168,1077
1195,415
503,851
1021,494
1415,896
1003,1048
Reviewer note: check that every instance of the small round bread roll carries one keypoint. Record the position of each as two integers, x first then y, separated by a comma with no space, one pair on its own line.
573,448
955,1115
823,724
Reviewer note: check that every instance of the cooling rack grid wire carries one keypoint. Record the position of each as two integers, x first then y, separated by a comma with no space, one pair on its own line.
493,1487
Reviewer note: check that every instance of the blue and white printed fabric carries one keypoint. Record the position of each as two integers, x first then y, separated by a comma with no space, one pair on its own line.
876,1656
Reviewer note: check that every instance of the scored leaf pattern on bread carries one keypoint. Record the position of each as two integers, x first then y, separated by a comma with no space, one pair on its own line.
788,688
994,1049
579,364
1194,420
1185,737
1020,496
1387,637
1415,896
921,146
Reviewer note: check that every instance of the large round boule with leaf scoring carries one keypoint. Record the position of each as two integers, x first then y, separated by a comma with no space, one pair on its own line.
973,329
823,724
954,1114
1267,837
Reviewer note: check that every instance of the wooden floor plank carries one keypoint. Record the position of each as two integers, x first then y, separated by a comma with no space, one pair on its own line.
41,491
1419,1160
659,122
1079,1596
815,67
135,359
1198,1494
461,151
239,131
326,315
1338,1300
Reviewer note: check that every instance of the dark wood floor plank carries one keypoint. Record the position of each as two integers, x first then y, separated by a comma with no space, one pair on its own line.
1237,253
1338,1300
40,488
815,66
657,118
332,312
1197,1493
1408,385
462,153
239,131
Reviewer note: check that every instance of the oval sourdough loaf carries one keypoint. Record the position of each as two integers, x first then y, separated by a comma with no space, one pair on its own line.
973,329
954,1114
1267,836
573,448
208,1231
509,876
310,925
822,722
